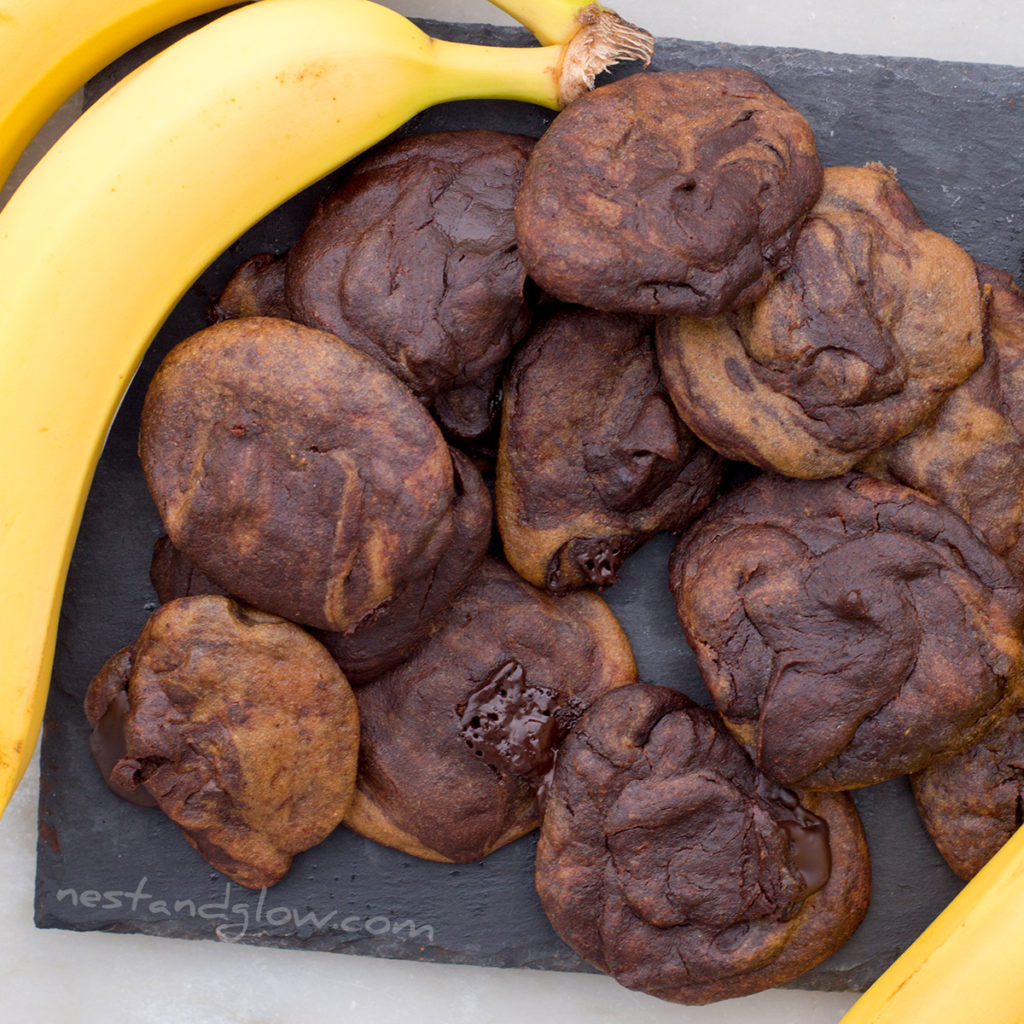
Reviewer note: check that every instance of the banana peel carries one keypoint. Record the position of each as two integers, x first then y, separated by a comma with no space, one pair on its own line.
968,965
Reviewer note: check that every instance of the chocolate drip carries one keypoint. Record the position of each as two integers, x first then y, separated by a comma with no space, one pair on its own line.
513,727
808,838
109,750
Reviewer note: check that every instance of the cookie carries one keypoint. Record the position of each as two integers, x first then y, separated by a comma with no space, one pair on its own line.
298,473
413,260
970,453
666,860
459,739
973,801
593,459
849,630
238,725
673,192
875,323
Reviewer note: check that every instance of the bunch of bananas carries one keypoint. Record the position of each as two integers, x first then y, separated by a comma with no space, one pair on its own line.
152,183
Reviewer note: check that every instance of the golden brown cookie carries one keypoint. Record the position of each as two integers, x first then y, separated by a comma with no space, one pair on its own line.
877,320
672,192
593,459
458,739
298,473
668,861
238,725
973,801
849,630
970,453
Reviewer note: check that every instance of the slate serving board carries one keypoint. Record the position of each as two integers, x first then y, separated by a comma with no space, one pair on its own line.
954,133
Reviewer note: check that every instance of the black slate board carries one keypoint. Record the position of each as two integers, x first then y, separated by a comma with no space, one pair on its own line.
955,134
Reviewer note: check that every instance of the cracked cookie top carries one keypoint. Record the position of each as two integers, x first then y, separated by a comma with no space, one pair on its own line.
671,192
849,630
877,320
296,472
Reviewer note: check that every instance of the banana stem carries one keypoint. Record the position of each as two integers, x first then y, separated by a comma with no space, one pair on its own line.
532,74
553,75
558,21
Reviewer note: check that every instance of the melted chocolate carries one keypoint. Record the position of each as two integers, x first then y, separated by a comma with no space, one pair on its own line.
513,727
109,750
598,559
808,839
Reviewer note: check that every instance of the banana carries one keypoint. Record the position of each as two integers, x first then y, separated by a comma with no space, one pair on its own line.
132,203
966,965
49,48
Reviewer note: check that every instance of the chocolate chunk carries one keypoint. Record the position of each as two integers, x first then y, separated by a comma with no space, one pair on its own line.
668,861
849,630
667,193
877,320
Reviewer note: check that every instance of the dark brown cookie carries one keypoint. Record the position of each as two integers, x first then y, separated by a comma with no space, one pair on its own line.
667,193
295,471
414,261
593,459
238,725
970,454
387,636
668,861
874,324
173,574
457,741
849,630
256,288
972,802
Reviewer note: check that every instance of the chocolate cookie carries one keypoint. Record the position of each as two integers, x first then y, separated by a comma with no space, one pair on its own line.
849,630
387,636
457,740
256,288
970,454
674,192
297,472
414,261
668,861
238,725
593,459
877,320
972,802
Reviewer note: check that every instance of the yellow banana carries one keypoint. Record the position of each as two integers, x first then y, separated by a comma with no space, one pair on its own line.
966,966
129,207
49,48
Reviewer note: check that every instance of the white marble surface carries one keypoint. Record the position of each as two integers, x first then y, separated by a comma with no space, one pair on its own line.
58,976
